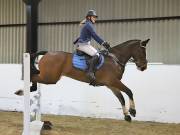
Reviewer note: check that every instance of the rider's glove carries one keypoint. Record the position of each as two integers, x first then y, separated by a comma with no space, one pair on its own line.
106,45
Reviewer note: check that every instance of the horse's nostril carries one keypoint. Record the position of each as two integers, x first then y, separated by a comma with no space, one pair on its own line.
143,68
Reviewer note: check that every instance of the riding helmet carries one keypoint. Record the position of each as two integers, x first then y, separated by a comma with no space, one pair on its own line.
91,13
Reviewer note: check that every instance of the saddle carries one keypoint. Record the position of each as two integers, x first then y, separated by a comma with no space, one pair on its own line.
80,60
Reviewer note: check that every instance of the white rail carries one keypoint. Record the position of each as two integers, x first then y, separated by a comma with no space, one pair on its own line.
32,111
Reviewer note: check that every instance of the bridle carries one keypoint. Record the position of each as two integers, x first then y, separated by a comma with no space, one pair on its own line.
145,61
137,62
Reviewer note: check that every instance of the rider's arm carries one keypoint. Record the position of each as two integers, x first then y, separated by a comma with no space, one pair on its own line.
94,35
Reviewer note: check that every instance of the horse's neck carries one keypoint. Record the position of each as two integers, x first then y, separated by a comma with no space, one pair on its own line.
122,53
124,50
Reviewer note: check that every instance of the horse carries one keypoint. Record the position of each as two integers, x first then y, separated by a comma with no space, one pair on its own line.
54,65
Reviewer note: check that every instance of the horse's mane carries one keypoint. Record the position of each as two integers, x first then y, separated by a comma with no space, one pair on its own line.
126,43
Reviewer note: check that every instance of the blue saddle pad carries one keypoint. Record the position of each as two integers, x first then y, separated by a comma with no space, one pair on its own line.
80,62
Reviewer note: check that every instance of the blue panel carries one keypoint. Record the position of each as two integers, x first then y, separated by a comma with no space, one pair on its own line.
80,62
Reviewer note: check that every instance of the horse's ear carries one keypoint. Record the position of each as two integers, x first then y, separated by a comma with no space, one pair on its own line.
143,43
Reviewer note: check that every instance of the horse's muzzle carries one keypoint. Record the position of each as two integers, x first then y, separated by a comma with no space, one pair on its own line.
142,67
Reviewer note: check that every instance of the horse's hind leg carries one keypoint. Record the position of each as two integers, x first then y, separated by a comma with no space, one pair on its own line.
42,79
33,87
120,97
125,89
35,79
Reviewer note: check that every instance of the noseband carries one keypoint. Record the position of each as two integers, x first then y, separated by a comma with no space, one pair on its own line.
137,62
141,63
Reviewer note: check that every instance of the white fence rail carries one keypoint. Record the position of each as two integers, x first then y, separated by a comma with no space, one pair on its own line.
32,114
156,93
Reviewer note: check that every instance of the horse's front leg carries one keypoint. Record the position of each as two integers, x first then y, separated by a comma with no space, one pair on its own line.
120,97
119,85
125,89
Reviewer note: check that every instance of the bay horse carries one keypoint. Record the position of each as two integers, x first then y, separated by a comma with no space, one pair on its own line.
54,65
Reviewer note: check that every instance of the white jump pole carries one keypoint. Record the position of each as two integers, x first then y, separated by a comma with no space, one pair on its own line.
30,127
26,62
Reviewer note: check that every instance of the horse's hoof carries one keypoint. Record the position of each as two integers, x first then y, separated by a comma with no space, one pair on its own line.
132,112
19,93
127,118
47,125
33,88
34,71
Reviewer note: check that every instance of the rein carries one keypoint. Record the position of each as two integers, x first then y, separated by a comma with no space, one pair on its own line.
130,60
116,59
120,63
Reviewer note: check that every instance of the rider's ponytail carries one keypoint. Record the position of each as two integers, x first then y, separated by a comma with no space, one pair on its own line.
82,22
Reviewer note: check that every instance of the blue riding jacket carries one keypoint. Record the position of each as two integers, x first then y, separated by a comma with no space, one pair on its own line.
87,33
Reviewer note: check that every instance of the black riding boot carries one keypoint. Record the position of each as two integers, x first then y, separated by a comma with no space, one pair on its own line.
33,68
90,73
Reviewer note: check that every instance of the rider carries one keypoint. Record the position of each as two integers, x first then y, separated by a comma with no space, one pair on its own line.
83,42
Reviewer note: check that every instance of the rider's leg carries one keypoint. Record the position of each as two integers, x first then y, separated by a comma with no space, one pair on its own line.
90,50
92,63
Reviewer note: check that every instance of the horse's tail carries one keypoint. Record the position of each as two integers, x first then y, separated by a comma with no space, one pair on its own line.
38,53
33,57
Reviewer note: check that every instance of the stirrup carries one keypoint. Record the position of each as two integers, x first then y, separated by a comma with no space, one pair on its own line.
92,78
93,83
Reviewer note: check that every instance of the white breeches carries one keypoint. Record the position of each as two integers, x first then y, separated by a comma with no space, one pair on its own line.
87,48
